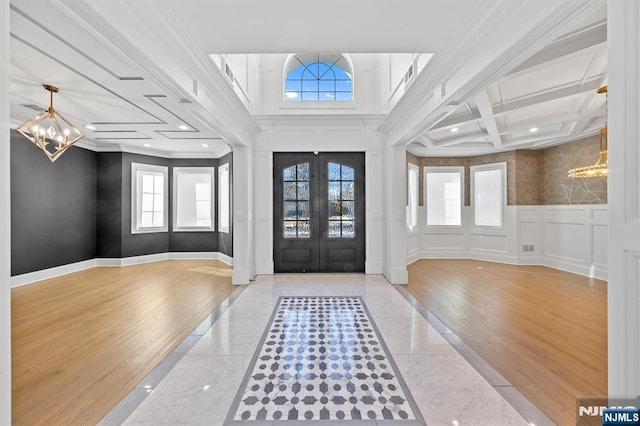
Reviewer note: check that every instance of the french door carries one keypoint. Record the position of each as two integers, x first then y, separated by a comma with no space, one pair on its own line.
318,212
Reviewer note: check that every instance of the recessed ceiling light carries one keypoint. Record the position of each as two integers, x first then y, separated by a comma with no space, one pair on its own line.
183,127
90,127
533,129
205,145
147,145
454,129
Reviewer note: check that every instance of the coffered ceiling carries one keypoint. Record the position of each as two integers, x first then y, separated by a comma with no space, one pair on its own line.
549,99
130,69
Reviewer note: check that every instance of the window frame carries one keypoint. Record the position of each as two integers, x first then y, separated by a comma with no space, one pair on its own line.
412,211
220,216
137,171
443,169
502,166
288,67
177,171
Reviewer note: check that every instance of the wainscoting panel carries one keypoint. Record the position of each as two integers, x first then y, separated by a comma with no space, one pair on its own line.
572,238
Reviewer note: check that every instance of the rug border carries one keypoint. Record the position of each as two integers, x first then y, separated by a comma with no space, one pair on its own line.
229,420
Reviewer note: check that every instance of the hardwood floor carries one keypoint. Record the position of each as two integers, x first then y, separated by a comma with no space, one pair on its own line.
544,330
81,342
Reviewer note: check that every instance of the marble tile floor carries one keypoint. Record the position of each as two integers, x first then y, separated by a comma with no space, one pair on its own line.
198,384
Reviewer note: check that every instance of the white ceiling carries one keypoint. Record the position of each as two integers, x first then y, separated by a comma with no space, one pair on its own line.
128,68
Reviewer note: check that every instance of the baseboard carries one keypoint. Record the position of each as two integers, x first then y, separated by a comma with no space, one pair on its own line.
588,271
44,274
593,271
373,267
398,275
32,277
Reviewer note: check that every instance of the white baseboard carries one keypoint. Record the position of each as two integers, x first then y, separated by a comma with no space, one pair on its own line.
592,271
31,277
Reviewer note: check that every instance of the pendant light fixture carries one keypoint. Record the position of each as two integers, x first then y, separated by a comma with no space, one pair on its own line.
600,166
50,131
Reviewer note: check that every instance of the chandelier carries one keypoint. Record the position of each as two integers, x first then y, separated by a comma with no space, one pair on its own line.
600,166
50,131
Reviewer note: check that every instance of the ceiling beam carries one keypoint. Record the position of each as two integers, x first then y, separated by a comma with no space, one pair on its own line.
574,90
486,111
564,46
490,47
472,137
553,95
457,120
591,107
552,120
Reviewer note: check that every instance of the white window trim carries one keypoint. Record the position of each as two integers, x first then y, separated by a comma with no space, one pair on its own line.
410,226
353,104
136,198
484,167
193,170
443,169
221,168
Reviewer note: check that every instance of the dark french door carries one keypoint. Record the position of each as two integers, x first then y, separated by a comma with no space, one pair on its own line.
318,212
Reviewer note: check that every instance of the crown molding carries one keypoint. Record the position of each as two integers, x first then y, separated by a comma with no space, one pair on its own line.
367,120
159,48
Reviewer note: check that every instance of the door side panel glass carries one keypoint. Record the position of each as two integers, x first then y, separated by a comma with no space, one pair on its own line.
295,190
341,202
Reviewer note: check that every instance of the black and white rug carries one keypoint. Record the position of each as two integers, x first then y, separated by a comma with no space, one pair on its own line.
323,359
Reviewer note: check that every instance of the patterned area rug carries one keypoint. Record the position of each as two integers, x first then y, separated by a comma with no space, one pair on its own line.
322,358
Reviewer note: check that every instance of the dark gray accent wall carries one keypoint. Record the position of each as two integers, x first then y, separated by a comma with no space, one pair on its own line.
226,239
53,207
79,208
190,241
109,205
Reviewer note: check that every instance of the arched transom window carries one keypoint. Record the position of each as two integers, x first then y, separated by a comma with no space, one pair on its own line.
318,78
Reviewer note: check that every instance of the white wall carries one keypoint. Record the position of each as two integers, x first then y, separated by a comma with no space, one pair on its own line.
569,237
5,225
367,96
322,134
623,296
244,68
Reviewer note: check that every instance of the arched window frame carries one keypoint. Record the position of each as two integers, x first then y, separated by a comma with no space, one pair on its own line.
335,62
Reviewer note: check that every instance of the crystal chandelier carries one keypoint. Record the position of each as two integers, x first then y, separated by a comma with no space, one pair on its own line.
600,166
50,131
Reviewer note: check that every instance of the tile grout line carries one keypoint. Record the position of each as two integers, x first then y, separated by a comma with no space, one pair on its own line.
139,393
521,404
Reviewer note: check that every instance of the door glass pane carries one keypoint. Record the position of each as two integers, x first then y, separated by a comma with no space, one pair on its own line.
290,210
289,192
295,191
290,229
347,173
347,190
347,210
334,210
303,172
347,229
341,203
289,174
303,229
303,190
334,229
303,210
334,171
334,191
